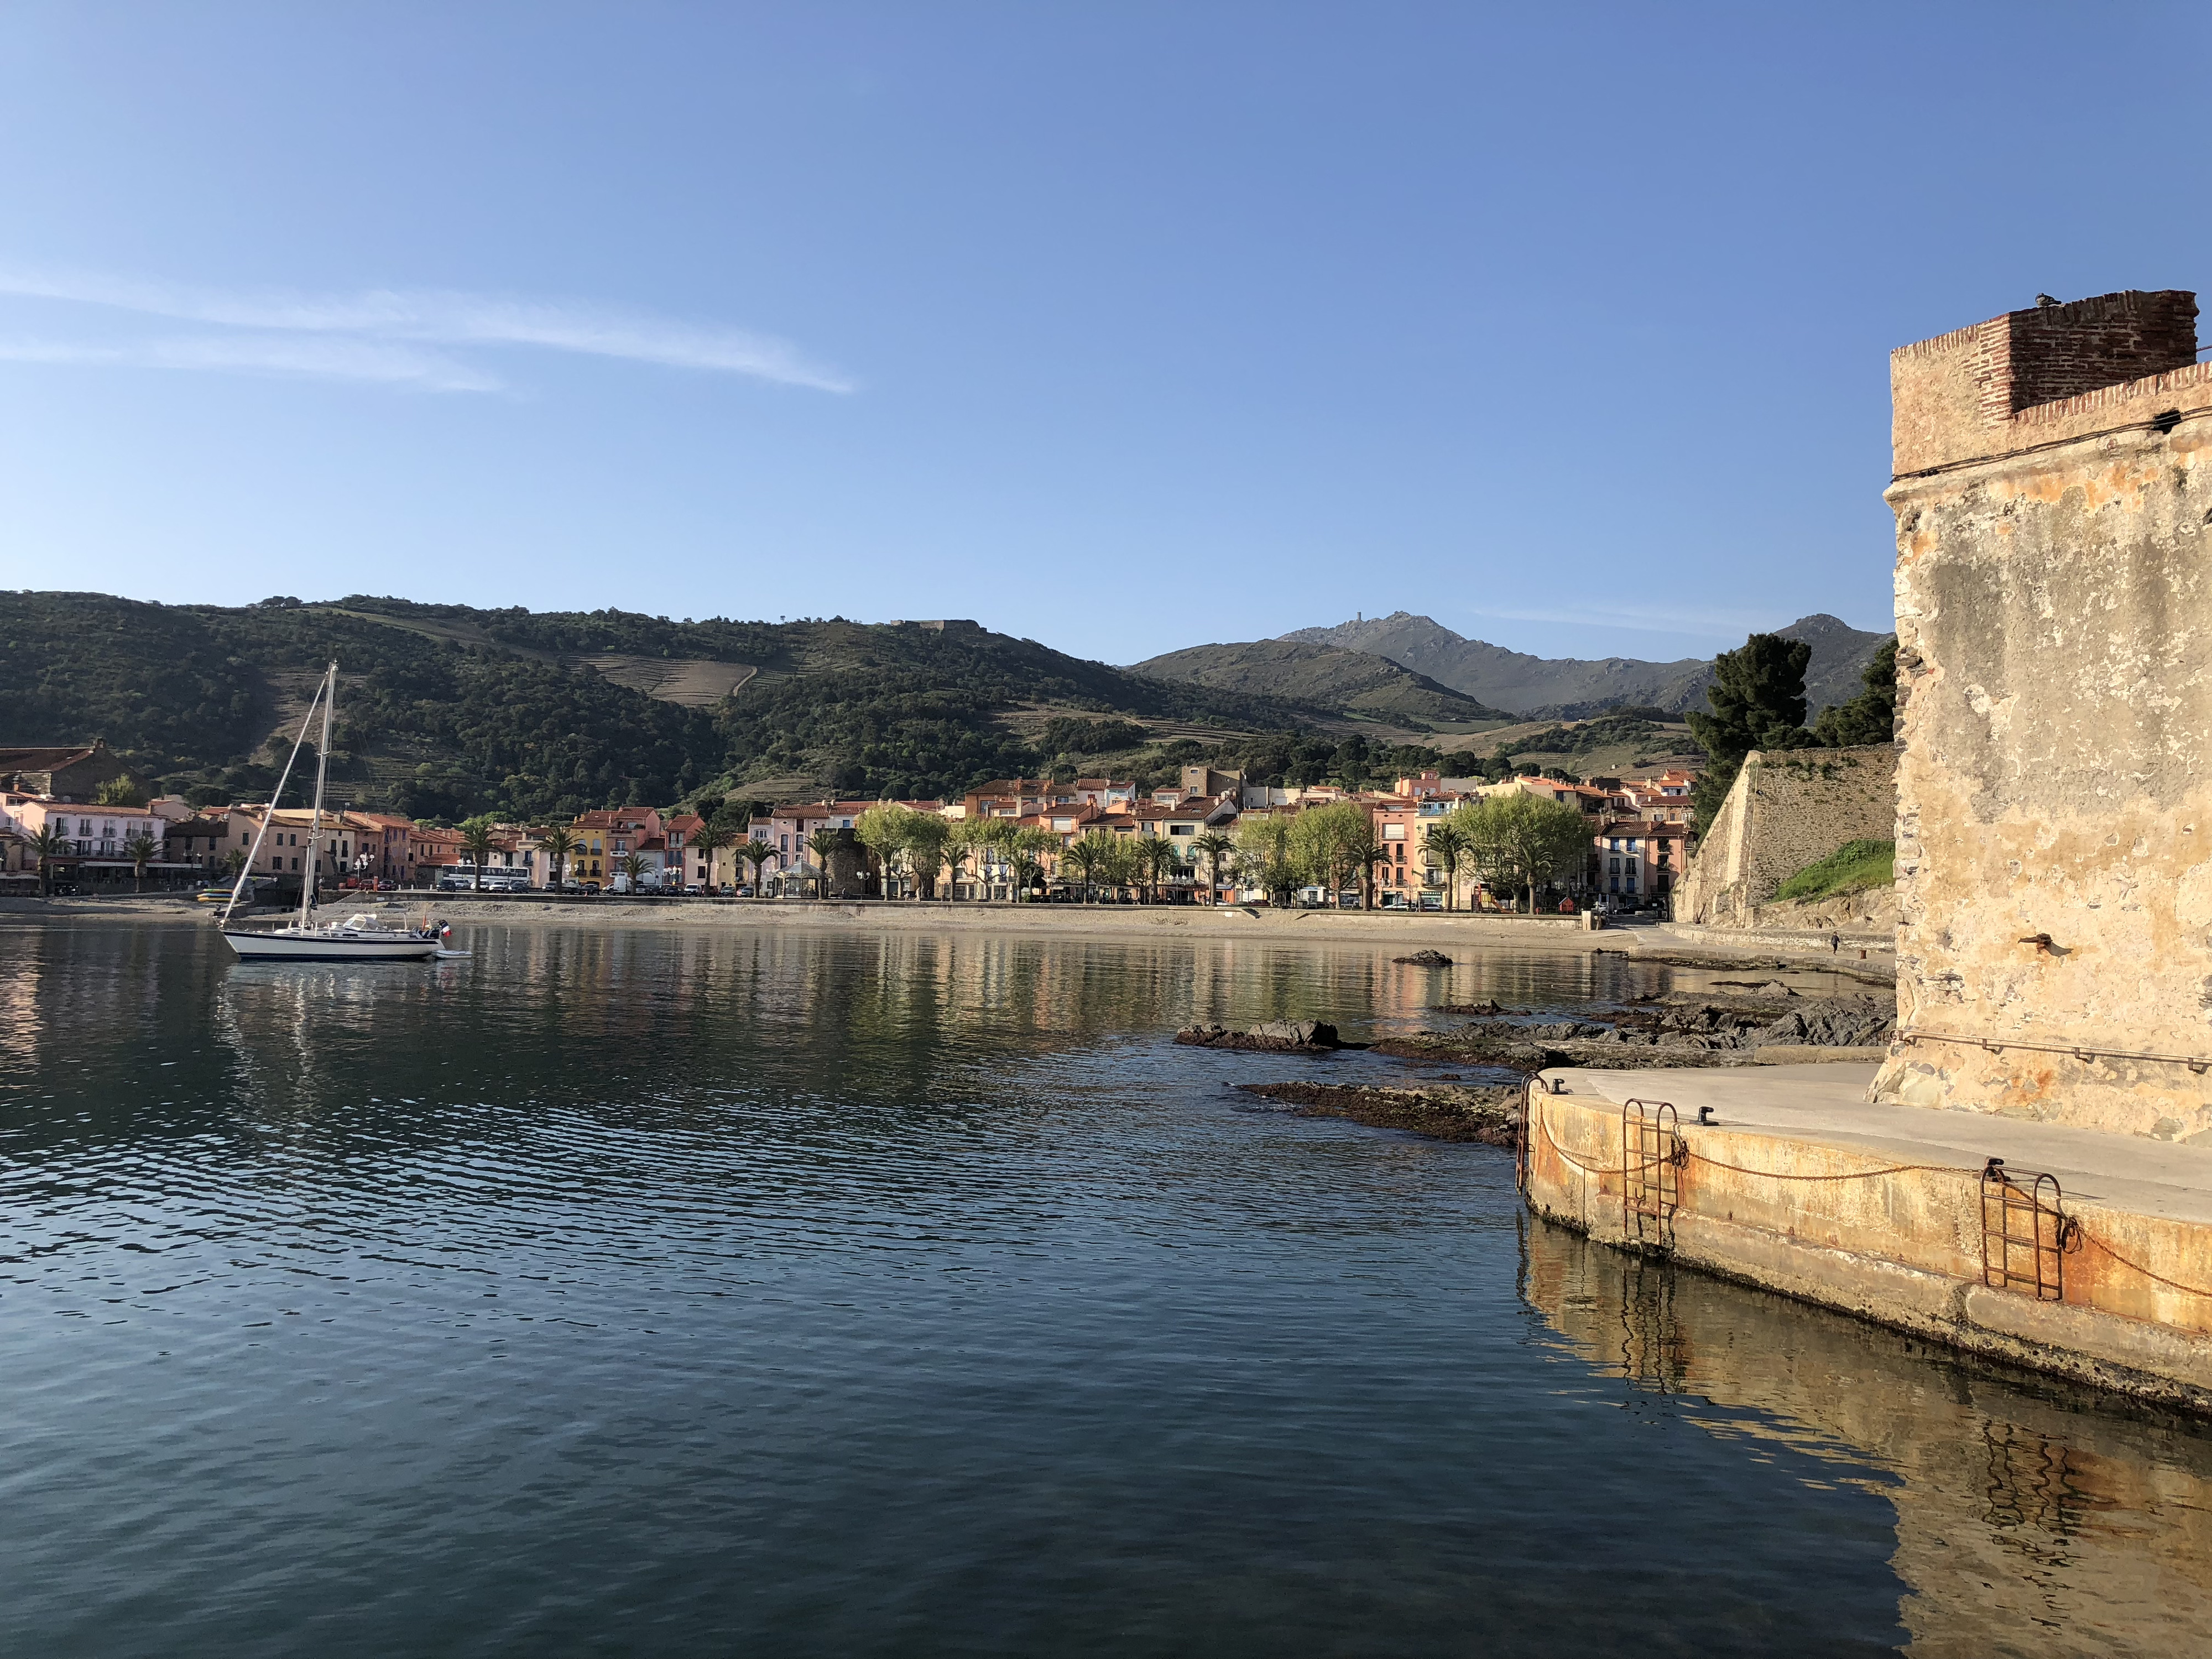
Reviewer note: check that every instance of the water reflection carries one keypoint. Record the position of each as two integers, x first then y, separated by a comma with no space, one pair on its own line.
831,1293
2027,1522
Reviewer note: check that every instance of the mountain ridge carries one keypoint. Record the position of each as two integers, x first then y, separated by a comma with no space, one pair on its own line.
1362,685
447,709
1568,688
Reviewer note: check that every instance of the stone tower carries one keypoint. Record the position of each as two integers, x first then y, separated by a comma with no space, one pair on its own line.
2053,493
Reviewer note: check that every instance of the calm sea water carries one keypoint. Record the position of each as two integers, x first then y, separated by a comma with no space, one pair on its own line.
642,1293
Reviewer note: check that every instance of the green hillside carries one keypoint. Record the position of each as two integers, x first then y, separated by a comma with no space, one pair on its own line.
1356,684
445,710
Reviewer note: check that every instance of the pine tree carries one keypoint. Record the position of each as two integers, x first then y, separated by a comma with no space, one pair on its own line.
1758,698
1871,716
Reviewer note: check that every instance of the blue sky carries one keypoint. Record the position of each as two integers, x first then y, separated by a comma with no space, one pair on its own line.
1123,328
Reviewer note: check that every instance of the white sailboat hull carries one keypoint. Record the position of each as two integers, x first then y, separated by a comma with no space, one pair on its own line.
322,945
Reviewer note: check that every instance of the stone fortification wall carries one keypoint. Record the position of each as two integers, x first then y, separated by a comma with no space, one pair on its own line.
1785,811
2054,608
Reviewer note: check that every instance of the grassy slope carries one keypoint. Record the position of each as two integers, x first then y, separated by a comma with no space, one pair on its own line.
1853,867
1608,746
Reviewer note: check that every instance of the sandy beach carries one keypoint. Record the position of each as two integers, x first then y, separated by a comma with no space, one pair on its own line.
1396,931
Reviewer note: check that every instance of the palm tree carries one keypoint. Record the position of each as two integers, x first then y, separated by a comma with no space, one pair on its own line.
477,840
1214,846
140,850
755,853
1447,844
824,841
558,843
1157,858
960,843
48,844
1024,851
710,840
632,865
1089,855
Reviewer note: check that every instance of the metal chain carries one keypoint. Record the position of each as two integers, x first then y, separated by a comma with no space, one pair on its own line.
2088,1237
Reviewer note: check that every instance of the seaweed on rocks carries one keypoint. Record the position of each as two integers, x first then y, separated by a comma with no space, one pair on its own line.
1425,959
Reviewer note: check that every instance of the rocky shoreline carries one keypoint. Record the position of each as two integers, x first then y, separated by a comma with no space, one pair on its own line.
1677,1028
1276,1036
1440,1112
1742,1023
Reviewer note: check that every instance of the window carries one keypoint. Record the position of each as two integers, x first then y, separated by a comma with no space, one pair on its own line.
1393,832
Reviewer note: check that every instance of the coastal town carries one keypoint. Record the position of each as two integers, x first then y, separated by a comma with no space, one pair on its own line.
863,831
73,819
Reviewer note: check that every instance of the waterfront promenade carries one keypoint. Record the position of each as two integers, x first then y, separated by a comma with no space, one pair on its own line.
1801,1185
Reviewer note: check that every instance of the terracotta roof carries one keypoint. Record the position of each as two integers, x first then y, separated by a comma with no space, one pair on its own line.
43,758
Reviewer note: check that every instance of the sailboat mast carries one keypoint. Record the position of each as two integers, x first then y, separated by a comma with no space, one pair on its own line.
322,772
269,817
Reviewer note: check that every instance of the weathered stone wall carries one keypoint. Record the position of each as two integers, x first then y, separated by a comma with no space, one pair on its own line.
2054,664
1785,811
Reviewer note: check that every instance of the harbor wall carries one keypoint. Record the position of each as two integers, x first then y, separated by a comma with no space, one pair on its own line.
1785,811
1899,1242
2053,494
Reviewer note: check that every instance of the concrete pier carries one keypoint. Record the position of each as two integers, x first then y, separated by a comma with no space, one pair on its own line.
1799,1184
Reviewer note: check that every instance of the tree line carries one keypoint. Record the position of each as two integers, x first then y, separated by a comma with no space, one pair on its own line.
1758,702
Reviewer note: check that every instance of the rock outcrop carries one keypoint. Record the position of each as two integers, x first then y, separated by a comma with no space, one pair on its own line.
1441,1113
1274,1036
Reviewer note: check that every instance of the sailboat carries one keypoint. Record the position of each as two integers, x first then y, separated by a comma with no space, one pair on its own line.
359,937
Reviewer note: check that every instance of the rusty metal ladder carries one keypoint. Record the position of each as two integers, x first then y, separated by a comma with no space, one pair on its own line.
1521,1127
2026,1232
1652,1154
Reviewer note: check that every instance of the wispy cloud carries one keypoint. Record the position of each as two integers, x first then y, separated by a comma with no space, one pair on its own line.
431,316
325,358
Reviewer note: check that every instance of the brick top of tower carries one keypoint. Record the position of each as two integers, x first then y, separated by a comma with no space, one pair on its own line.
1964,395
